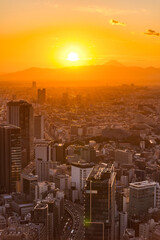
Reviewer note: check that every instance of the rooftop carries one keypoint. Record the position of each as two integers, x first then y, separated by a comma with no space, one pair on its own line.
102,172
143,184
82,164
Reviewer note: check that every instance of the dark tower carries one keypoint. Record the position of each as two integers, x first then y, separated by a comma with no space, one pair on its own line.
10,158
99,204
20,114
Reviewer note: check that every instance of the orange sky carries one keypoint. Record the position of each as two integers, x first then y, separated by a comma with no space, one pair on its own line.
40,33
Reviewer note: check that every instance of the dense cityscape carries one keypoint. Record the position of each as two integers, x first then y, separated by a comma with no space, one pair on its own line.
79,163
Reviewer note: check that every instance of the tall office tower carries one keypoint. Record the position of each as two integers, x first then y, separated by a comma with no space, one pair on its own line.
100,203
10,158
39,127
34,85
52,217
123,156
79,173
58,153
26,180
40,216
41,98
142,197
43,160
20,114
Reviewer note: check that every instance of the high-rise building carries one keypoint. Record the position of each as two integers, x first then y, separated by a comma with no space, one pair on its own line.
34,85
142,197
58,153
88,153
39,127
10,158
79,173
41,96
52,218
40,216
100,203
20,114
43,160
26,180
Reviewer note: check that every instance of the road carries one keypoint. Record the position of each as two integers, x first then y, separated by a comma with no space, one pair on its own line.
76,231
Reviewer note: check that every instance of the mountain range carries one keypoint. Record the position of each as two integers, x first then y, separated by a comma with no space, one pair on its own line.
111,73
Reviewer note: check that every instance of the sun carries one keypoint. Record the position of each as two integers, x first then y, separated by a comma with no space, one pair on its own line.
73,56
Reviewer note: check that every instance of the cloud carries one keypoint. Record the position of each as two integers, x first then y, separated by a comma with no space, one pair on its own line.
108,11
152,33
115,22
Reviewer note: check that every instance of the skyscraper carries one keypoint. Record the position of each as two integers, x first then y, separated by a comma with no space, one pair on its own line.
58,153
10,158
39,127
41,96
79,172
40,216
20,114
100,203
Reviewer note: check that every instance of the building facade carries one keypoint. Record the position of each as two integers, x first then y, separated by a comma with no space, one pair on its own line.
10,158
100,203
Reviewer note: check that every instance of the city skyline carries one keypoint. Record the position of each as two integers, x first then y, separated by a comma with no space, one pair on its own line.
79,120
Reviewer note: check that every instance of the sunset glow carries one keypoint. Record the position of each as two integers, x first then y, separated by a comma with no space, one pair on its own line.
97,31
73,57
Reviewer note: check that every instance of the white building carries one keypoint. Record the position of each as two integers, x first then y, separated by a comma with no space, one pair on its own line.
43,160
39,188
79,173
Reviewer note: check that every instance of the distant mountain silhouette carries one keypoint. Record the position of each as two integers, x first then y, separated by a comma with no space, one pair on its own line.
111,73
114,63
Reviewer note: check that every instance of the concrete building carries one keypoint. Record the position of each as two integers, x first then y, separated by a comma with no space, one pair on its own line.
142,197
43,160
123,156
63,182
39,189
40,216
88,153
123,218
79,173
